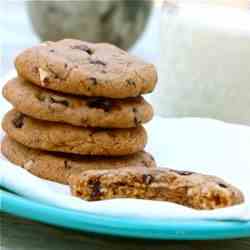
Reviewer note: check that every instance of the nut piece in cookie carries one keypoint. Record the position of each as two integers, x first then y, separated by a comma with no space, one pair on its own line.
44,77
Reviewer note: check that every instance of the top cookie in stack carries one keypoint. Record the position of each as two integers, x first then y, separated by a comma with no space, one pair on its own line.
80,98
81,68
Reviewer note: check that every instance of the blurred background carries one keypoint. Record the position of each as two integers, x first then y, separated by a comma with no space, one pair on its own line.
131,24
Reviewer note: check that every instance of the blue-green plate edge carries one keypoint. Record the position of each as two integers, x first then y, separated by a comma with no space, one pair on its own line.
123,226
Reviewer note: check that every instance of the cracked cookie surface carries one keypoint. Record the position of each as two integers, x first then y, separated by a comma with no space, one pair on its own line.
61,137
59,166
83,68
49,105
185,188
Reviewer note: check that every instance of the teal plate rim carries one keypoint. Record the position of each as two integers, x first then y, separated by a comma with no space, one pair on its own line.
123,226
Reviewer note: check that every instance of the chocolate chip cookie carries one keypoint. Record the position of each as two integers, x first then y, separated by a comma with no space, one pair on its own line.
83,68
59,166
103,112
193,190
60,137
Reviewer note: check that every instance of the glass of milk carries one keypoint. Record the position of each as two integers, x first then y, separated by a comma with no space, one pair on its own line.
204,69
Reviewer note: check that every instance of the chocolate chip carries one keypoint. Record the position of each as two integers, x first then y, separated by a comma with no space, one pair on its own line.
46,80
18,120
83,47
131,82
185,173
93,80
97,62
222,185
120,184
78,193
65,65
41,98
96,193
100,103
93,182
137,121
147,179
95,185
58,100
66,165
51,50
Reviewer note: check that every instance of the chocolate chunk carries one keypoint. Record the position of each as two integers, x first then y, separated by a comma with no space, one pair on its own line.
95,185
93,182
147,179
58,100
66,165
40,97
137,121
97,62
46,80
131,82
83,48
78,193
185,173
120,184
18,121
222,185
93,80
100,103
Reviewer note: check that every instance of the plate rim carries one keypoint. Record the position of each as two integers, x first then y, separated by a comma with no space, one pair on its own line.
125,226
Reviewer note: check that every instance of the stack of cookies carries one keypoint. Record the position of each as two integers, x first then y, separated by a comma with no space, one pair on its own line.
77,107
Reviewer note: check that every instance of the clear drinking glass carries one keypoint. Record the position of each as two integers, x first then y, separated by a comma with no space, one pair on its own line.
204,68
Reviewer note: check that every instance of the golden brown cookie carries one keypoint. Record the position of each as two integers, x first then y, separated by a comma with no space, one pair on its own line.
102,112
186,188
66,138
83,68
59,166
